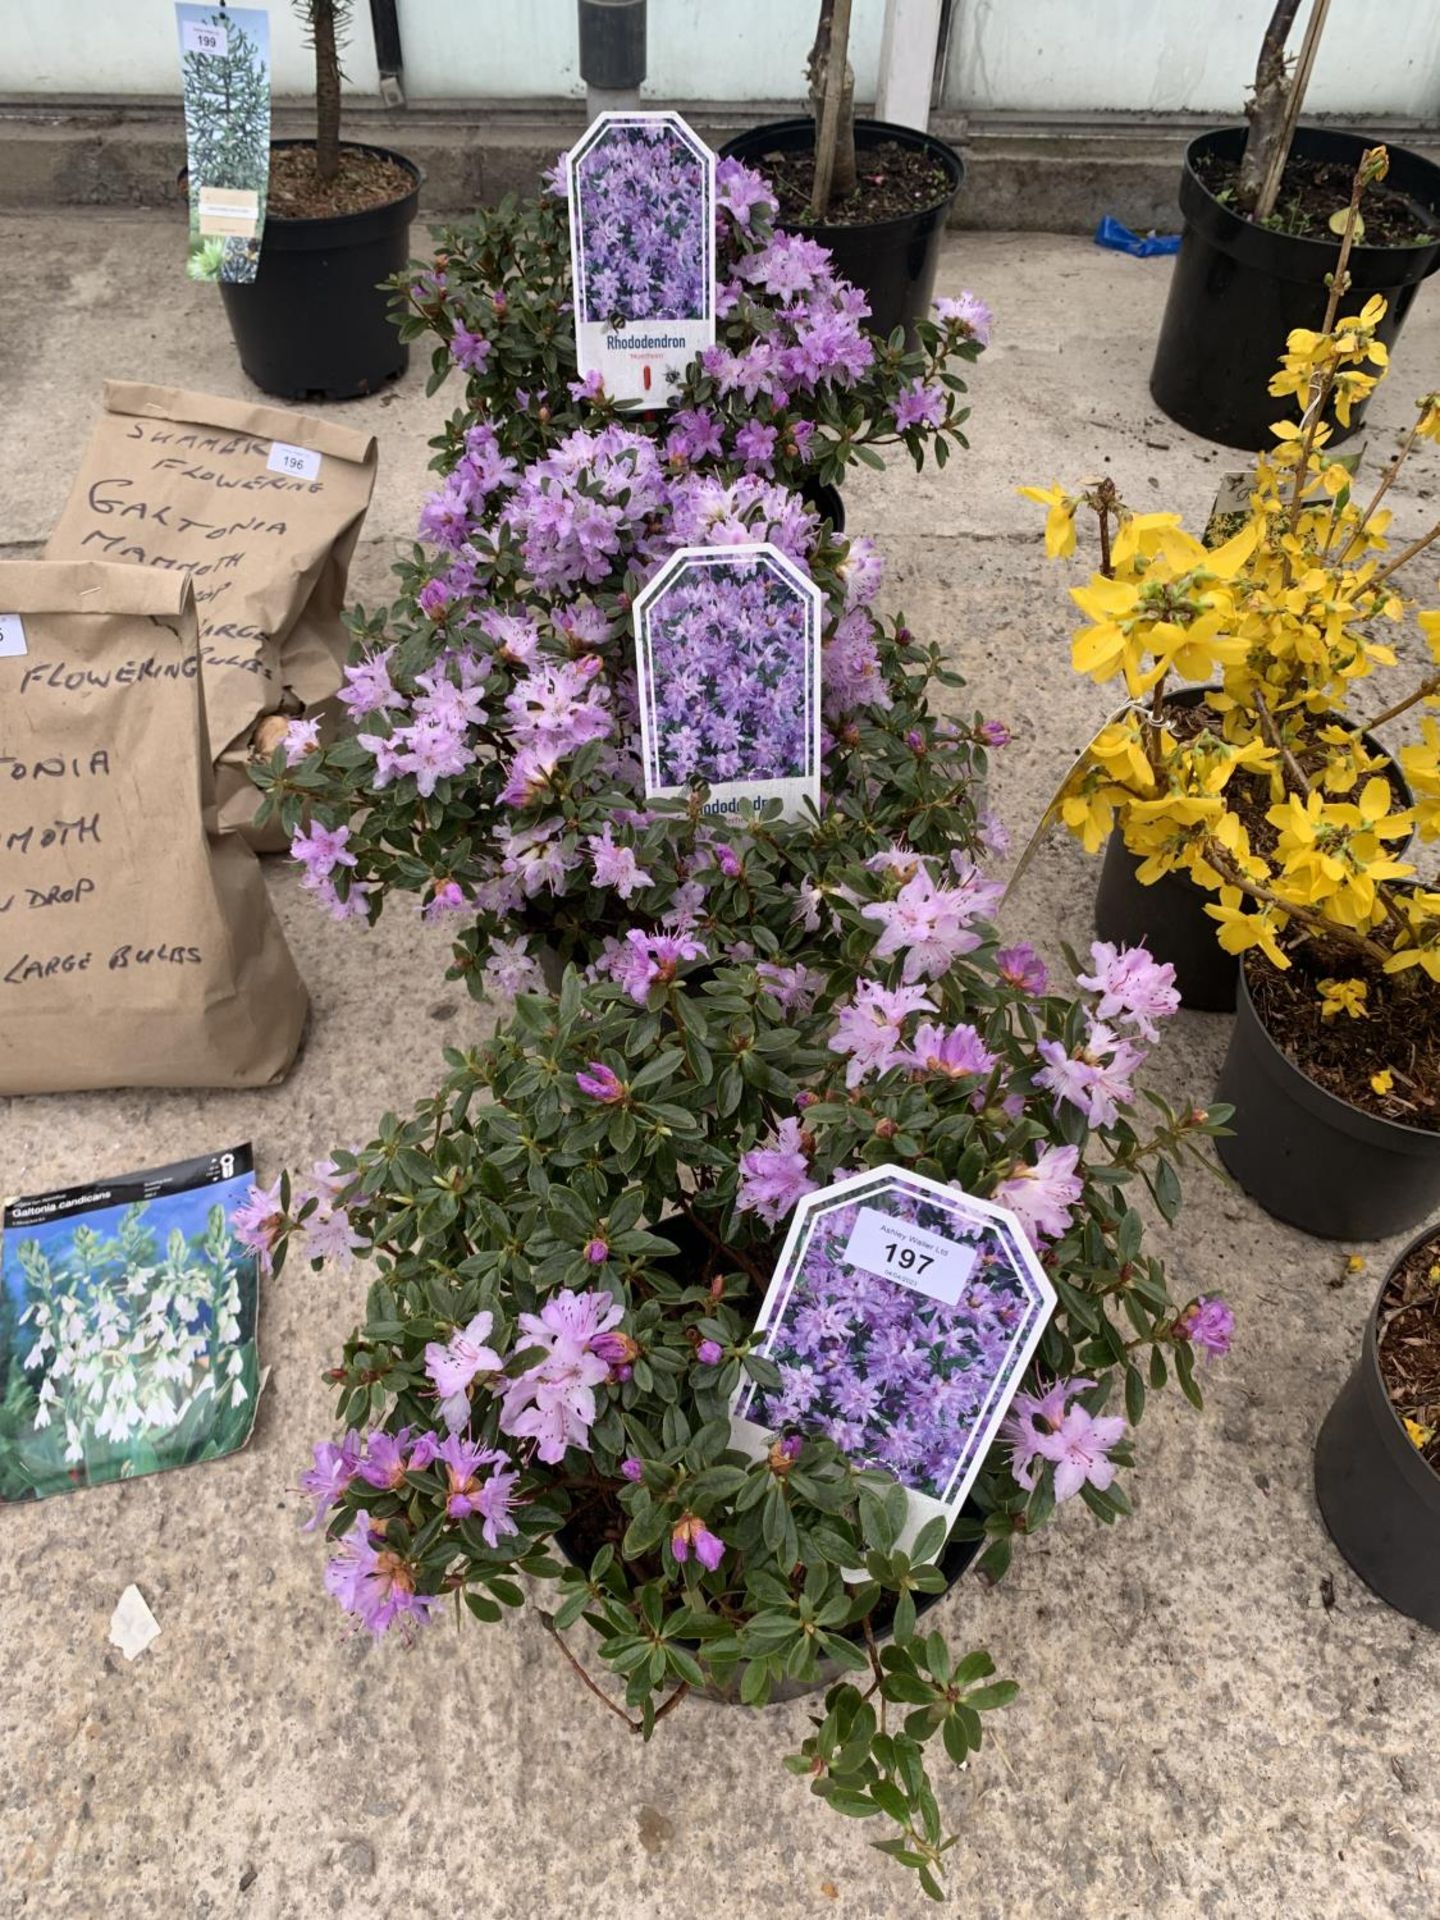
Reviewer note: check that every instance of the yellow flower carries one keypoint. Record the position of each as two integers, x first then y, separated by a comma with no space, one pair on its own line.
1422,769
1355,1263
1428,425
1059,522
1384,1081
1343,996
1239,930
1420,1437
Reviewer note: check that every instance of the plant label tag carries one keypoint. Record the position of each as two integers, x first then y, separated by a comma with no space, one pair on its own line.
913,1256
12,637
300,463
642,253
727,656
198,36
225,71
908,1364
228,211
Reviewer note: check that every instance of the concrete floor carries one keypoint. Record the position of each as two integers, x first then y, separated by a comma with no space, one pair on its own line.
1217,1718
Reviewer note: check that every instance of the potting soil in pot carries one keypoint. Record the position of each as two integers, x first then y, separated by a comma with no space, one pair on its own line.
1408,1343
362,180
893,181
1383,1059
1311,191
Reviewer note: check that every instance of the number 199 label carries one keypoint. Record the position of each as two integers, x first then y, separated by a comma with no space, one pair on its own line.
911,1256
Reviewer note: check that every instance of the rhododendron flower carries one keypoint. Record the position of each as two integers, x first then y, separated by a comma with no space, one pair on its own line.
473,1490
970,313
613,866
773,1178
301,737
1209,1324
647,958
454,1365
1043,1196
511,969
335,1466
1021,967
1080,1449
554,1402
871,1028
377,1585
322,849
929,924
920,404
257,1221
1131,986
1033,1421
389,1457
601,1083
691,1535
957,1051
1095,1078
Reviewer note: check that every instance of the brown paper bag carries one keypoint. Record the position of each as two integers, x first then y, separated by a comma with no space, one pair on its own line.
138,946
262,507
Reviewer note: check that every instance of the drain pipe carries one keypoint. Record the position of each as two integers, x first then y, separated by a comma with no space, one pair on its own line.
612,54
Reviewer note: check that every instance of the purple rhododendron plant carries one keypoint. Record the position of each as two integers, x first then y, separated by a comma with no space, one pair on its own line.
571,1239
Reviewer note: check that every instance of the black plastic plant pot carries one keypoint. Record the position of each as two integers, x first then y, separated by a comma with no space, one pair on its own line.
893,261
1379,1499
1169,918
1239,289
314,323
1310,1158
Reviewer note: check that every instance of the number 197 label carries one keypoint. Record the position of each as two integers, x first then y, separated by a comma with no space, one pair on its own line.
909,1255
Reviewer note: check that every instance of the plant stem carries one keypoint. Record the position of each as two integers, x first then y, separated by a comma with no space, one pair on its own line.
1272,734
1270,185
327,89
1318,925
547,1620
1416,546
1423,692
1267,109
834,142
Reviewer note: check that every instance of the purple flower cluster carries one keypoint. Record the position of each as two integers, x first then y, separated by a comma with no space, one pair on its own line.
728,647
815,336
895,1379
1076,1442
1096,1075
641,204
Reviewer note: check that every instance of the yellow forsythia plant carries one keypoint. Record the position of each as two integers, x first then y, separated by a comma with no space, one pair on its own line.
1280,615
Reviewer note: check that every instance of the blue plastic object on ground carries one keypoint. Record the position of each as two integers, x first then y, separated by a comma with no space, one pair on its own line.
1114,234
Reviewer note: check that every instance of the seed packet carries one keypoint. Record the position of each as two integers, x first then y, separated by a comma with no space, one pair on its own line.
642,252
127,1327
727,643
902,1316
225,70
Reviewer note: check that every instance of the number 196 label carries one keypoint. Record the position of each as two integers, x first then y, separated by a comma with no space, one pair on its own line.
909,1255
301,463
